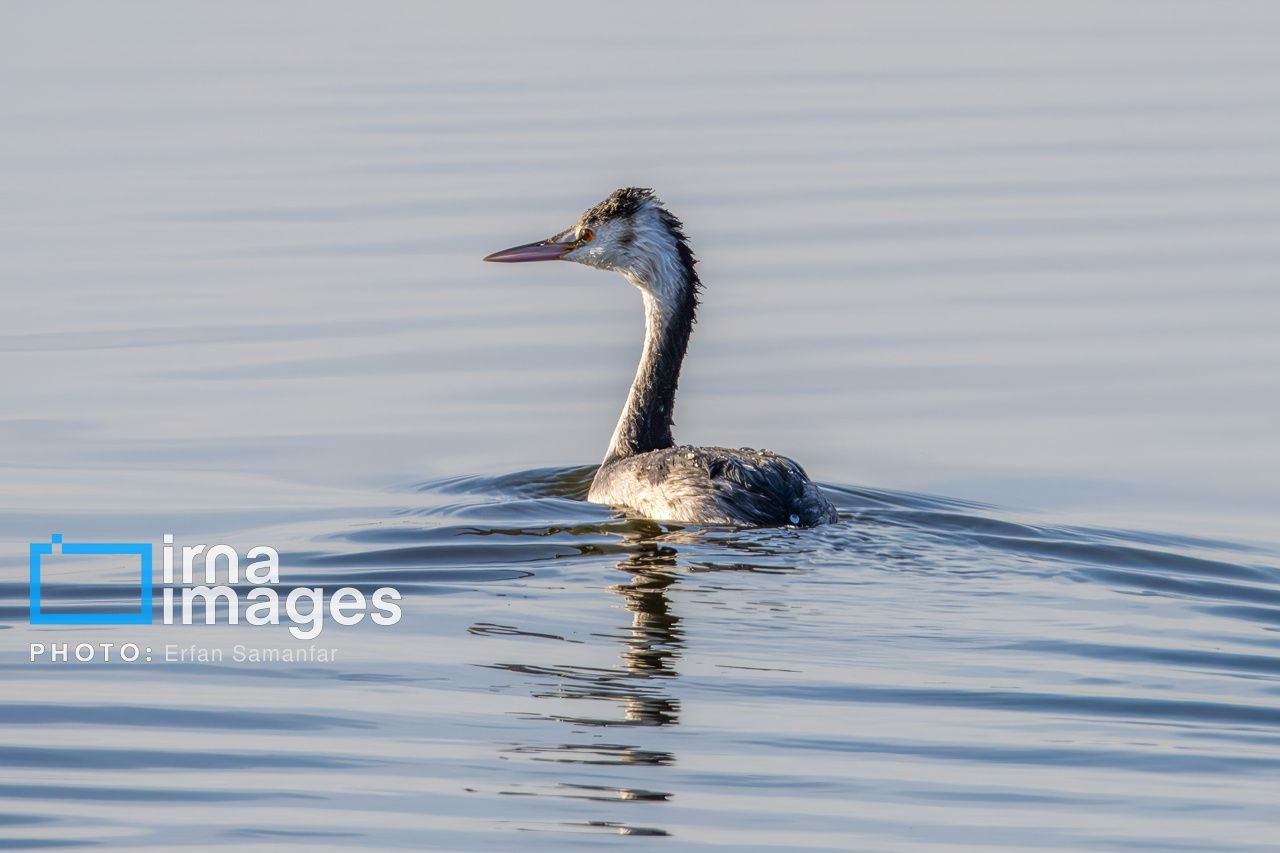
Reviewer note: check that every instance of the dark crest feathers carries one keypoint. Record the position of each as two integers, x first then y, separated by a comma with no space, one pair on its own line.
621,202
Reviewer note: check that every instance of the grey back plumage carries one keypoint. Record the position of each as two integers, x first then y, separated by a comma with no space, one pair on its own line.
714,485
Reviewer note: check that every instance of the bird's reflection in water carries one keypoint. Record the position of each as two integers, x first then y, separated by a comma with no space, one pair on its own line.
638,690
651,645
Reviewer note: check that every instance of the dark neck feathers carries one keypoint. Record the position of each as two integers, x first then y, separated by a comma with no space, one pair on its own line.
670,291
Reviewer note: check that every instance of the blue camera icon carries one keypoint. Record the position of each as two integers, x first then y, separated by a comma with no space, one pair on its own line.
55,546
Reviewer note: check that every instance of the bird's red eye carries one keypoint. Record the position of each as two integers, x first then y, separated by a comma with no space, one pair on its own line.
586,235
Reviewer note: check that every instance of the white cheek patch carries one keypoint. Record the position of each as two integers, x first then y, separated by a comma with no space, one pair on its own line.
653,258
595,256
603,250
642,249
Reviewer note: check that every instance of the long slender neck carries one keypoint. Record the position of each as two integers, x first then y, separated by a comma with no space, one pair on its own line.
670,303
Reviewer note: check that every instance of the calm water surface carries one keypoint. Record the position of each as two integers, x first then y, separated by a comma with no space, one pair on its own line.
1005,280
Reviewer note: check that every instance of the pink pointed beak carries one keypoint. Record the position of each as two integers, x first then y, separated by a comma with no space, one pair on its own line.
543,250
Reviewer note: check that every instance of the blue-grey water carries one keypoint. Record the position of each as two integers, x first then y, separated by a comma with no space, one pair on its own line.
1003,276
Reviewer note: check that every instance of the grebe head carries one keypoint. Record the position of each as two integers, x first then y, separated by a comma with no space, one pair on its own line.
631,233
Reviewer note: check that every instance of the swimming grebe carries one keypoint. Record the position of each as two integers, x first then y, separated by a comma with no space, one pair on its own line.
644,473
